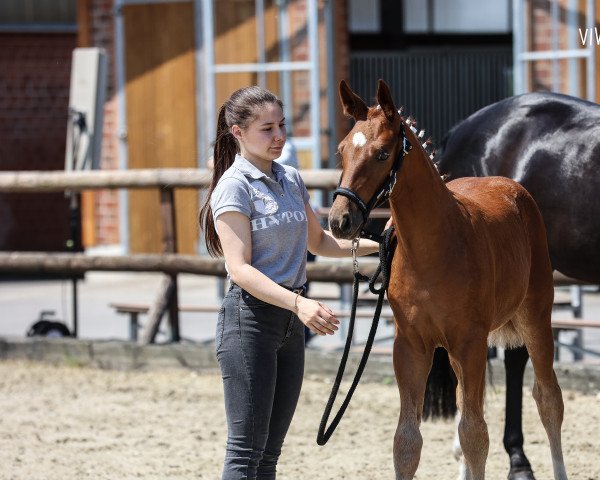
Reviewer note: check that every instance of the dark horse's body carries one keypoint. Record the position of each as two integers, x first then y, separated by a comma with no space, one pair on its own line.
550,143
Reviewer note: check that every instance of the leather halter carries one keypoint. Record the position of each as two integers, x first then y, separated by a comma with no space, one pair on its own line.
385,190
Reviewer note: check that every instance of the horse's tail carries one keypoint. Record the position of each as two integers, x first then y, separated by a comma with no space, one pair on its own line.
440,393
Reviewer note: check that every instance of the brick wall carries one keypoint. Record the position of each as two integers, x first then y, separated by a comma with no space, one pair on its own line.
34,96
298,11
540,39
106,203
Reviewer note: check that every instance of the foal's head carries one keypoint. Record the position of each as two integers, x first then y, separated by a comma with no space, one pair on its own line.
370,152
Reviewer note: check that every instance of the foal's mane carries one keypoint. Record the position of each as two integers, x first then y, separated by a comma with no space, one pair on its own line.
427,144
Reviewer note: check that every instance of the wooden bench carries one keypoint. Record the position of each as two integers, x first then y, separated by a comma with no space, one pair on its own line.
134,310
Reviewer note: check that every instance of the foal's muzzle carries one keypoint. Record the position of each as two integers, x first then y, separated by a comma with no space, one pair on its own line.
345,219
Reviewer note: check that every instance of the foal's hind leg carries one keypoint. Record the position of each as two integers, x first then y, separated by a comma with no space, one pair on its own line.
469,363
546,391
412,368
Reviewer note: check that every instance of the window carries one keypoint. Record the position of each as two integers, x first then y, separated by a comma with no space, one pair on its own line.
365,16
456,16
59,15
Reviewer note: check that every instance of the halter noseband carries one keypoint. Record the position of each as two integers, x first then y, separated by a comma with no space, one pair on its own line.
385,190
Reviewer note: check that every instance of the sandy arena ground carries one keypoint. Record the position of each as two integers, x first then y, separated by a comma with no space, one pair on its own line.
73,423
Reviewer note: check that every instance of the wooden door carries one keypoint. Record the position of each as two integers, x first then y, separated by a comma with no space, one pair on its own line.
236,41
161,116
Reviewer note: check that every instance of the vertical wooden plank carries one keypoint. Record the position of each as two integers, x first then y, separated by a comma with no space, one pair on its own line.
84,23
235,42
161,117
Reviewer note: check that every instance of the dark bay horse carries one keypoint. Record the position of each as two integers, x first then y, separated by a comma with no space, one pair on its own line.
549,143
471,266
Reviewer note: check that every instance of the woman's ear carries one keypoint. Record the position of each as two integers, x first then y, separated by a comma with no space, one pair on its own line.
236,131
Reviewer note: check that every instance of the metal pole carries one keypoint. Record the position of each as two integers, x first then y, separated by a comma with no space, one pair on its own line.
284,54
331,84
209,55
555,47
573,71
121,122
315,89
518,47
74,245
259,13
201,142
591,60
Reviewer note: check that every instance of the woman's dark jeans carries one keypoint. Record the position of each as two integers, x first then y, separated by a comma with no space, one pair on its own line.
260,349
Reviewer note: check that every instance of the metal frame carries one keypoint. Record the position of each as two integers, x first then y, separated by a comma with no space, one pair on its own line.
210,69
121,121
522,56
206,69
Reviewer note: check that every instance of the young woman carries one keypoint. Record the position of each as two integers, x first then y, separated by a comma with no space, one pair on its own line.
259,218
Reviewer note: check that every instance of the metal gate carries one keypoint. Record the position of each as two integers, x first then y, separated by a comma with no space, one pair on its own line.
439,88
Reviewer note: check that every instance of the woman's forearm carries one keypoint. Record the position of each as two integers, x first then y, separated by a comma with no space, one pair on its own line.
262,287
329,246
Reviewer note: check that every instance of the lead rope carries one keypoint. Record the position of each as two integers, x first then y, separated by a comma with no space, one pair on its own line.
385,258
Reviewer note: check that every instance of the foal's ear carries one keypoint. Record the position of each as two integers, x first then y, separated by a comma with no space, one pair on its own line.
384,98
354,106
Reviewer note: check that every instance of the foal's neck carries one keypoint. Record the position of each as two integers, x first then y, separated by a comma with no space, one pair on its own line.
421,203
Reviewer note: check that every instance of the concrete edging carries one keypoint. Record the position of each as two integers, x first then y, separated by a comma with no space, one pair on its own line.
122,355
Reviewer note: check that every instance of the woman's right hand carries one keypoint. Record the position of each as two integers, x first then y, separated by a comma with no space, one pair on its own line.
317,317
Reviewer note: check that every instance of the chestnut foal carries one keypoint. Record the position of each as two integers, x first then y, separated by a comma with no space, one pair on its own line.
470,268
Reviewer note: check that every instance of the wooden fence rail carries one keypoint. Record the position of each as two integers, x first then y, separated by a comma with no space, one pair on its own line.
53,181
68,264
165,180
169,262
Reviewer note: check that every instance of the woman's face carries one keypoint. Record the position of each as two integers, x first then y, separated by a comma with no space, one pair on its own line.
265,136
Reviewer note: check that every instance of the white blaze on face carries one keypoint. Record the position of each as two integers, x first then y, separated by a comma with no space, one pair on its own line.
359,139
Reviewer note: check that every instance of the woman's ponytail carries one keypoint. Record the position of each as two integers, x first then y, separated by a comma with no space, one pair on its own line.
223,156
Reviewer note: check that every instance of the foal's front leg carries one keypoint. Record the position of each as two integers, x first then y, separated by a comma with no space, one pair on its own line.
469,364
412,369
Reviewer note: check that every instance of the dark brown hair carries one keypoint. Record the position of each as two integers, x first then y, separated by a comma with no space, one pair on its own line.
241,109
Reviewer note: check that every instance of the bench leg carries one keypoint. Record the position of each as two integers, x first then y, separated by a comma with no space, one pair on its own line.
555,333
133,326
577,307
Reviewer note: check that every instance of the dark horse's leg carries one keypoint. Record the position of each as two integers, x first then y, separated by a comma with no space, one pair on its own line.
515,360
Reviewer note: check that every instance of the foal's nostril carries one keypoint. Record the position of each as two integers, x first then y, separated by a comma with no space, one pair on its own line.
345,223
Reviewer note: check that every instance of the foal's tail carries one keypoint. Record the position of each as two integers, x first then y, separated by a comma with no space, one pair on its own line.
440,392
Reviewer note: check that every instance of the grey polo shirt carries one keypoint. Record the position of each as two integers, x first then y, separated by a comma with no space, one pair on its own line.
277,217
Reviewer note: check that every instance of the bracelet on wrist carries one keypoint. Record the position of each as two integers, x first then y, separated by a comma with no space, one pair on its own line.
296,302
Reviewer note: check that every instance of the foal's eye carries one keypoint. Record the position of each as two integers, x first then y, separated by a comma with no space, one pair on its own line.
382,156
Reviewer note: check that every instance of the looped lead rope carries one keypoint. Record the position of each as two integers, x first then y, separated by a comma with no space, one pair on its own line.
385,256
385,261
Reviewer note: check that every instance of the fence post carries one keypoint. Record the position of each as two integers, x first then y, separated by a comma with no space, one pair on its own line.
169,229
168,299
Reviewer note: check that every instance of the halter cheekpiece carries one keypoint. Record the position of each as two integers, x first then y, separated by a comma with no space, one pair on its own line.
385,190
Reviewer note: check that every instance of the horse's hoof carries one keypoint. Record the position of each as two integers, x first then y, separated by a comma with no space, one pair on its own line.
521,474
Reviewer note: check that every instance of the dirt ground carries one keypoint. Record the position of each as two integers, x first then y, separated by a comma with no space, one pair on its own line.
73,423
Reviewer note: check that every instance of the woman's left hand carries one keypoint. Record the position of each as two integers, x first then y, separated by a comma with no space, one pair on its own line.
317,317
